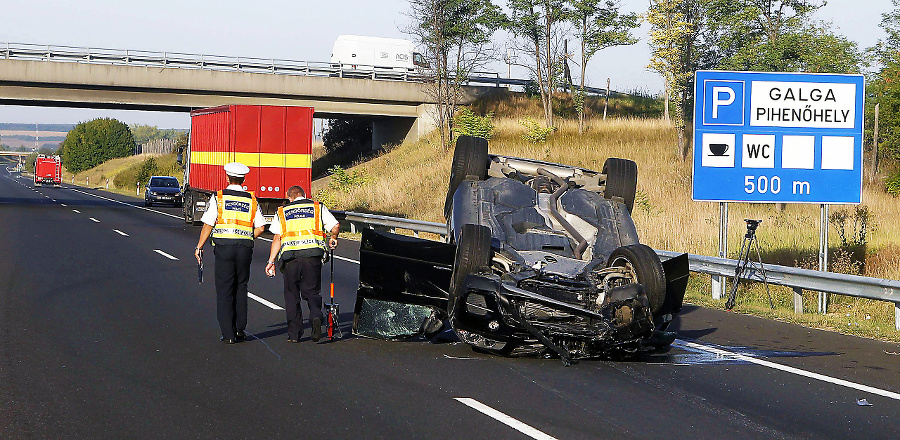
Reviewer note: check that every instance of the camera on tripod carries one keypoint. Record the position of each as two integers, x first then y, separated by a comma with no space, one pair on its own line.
751,226
745,267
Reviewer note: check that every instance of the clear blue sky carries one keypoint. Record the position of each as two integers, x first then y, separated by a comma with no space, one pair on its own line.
297,29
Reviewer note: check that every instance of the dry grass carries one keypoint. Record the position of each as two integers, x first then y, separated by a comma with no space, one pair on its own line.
96,177
410,181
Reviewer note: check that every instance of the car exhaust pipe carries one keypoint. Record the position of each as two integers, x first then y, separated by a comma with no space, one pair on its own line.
563,187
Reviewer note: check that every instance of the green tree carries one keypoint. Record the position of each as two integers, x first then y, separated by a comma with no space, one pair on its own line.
775,36
598,24
146,133
884,89
456,36
347,134
535,24
91,143
670,45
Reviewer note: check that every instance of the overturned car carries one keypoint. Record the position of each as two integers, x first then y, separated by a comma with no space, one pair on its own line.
542,259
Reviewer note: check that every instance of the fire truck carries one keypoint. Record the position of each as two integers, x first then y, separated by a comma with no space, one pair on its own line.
47,170
275,142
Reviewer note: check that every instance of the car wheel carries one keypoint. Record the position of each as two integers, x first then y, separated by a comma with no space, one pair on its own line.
470,158
647,268
621,180
147,203
473,252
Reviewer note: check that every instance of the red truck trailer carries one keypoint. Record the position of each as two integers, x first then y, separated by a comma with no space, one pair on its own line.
47,170
275,142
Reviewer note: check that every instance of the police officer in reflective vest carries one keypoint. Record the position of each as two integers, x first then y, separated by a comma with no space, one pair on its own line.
234,219
299,244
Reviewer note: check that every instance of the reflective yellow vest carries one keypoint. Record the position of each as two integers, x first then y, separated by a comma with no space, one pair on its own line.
302,234
234,225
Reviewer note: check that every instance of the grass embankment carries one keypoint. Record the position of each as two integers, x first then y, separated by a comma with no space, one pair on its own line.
122,174
411,181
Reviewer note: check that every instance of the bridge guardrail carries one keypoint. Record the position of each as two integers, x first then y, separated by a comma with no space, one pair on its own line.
143,58
796,278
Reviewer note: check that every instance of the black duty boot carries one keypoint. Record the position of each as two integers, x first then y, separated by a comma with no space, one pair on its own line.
316,329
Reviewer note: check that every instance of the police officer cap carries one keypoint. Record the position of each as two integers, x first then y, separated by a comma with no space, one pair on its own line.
236,169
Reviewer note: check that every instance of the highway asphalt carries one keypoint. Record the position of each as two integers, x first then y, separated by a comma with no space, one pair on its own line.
105,333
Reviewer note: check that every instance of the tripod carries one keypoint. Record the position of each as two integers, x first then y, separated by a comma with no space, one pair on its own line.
749,242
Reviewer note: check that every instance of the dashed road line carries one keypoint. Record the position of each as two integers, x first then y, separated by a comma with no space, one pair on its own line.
95,220
63,204
76,211
265,302
787,369
503,418
120,233
165,254
126,204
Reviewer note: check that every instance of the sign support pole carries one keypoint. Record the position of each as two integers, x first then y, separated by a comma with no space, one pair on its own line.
823,253
718,282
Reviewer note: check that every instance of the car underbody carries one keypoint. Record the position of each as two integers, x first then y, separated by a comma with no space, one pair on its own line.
543,259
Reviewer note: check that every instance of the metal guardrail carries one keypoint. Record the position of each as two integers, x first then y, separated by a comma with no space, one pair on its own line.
797,279
143,58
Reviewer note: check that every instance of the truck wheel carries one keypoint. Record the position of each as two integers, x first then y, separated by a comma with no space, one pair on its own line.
647,268
621,180
470,158
186,204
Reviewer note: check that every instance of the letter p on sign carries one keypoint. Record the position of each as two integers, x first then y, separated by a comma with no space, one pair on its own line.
718,91
723,102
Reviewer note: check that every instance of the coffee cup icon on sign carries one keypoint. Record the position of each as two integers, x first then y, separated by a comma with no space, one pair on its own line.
718,149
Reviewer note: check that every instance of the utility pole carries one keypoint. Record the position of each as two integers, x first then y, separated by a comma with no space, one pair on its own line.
875,146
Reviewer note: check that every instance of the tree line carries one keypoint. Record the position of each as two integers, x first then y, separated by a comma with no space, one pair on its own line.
685,36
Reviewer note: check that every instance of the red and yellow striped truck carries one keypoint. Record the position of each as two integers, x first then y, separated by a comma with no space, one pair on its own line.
274,141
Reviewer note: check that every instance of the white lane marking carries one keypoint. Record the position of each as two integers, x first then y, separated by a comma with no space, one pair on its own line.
95,220
126,204
265,302
63,204
178,217
503,418
164,254
76,211
797,371
338,257
120,232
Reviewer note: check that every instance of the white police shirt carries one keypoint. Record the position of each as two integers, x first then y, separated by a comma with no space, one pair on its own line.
212,210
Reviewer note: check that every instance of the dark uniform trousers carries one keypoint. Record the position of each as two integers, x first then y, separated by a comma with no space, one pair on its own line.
232,276
302,280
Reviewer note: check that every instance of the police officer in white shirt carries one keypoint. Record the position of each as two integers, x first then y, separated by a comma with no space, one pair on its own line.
300,243
234,220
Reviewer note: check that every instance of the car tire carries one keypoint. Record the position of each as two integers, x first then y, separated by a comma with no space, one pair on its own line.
647,268
470,158
621,180
473,252
147,203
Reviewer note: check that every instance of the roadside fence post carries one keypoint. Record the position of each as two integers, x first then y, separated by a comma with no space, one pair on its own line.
798,300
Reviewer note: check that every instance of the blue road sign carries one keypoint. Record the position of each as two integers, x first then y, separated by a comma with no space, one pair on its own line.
778,137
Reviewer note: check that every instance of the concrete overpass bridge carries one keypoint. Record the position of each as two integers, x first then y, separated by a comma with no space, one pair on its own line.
61,76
